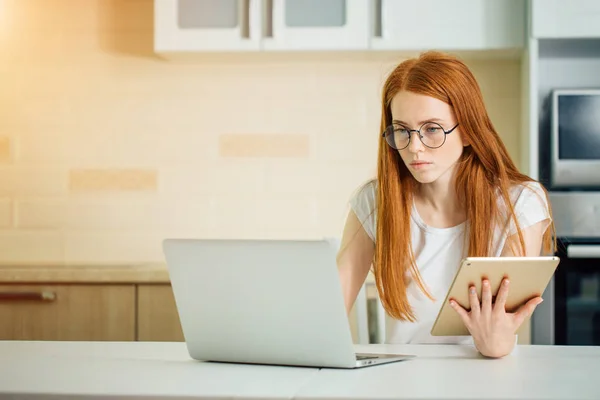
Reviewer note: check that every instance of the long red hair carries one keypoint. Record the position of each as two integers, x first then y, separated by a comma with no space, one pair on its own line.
484,172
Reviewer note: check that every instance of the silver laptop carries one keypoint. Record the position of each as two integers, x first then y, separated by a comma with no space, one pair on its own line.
272,302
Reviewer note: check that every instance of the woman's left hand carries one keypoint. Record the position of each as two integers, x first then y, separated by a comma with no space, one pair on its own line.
492,328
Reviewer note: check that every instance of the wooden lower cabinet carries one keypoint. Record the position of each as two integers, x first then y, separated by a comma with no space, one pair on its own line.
157,317
102,312
69,312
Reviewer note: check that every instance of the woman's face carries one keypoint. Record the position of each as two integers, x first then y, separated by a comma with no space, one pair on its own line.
411,111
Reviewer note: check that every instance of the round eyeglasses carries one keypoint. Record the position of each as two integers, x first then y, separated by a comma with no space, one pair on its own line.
431,134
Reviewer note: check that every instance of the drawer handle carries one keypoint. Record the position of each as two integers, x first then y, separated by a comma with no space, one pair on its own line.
583,251
28,296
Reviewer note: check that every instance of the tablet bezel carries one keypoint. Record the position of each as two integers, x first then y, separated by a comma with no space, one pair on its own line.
529,277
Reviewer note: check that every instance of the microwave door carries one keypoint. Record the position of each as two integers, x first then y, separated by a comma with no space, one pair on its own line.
575,139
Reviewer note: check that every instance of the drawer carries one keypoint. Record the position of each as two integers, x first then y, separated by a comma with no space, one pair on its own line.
67,312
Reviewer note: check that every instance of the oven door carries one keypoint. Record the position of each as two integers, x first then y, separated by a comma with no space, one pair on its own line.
577,292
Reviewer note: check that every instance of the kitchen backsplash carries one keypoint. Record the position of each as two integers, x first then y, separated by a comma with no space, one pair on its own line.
106,148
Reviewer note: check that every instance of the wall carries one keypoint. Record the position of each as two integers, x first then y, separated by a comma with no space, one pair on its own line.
106,149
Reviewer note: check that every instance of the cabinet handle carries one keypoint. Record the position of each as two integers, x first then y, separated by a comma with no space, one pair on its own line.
46,296
583,251
268,19
377,18
245,18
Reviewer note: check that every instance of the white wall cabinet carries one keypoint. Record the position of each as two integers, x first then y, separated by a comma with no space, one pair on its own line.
317,25
296,25
565,19
207,25
252,25
451,25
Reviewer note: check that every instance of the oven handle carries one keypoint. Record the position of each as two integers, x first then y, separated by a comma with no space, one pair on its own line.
583,251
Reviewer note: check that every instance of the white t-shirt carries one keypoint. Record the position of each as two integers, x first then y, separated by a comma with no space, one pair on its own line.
438,253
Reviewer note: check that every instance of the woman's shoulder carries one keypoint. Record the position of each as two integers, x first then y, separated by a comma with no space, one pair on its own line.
365,194
530,204
528,192
363,203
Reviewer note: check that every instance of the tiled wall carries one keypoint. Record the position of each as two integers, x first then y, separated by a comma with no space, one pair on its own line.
106,149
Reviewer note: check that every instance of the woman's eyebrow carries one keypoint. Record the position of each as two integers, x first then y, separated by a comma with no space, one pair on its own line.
420,123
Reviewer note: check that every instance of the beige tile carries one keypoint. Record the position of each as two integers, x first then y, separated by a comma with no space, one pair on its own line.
34,92
264,145
113,180
6,213
293,177
335,76
169,148
235,176
48,111
262,216
139,103
341,117
111,247
332,213
317,178
98,214
31,246
290,217
238,217
33,181
121,148
5,149
358,146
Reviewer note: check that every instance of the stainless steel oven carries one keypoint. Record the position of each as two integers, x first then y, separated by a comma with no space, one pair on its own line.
577,292
570,313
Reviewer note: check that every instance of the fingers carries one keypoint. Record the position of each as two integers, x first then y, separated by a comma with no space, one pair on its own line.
526,310
500,304
486,297
474,301
464,315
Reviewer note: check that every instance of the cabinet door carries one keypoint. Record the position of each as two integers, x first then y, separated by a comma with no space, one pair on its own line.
316,25
158,320
565,19
451,25
206,25
67,312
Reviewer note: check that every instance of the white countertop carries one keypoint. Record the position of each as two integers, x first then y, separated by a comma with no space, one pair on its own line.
31,370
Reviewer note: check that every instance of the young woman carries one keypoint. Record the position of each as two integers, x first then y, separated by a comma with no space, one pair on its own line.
446,188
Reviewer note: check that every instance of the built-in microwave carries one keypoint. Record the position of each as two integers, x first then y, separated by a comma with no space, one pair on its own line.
575,139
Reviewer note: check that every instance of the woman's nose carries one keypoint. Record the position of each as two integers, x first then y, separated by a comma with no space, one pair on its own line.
415,145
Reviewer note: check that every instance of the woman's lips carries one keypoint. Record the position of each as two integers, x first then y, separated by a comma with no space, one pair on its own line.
419,164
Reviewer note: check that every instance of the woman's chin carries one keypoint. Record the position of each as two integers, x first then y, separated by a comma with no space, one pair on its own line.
425,177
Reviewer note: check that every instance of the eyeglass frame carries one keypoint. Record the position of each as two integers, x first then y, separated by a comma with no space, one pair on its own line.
410,131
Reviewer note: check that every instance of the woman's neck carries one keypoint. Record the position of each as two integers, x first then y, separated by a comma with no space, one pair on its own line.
438,205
